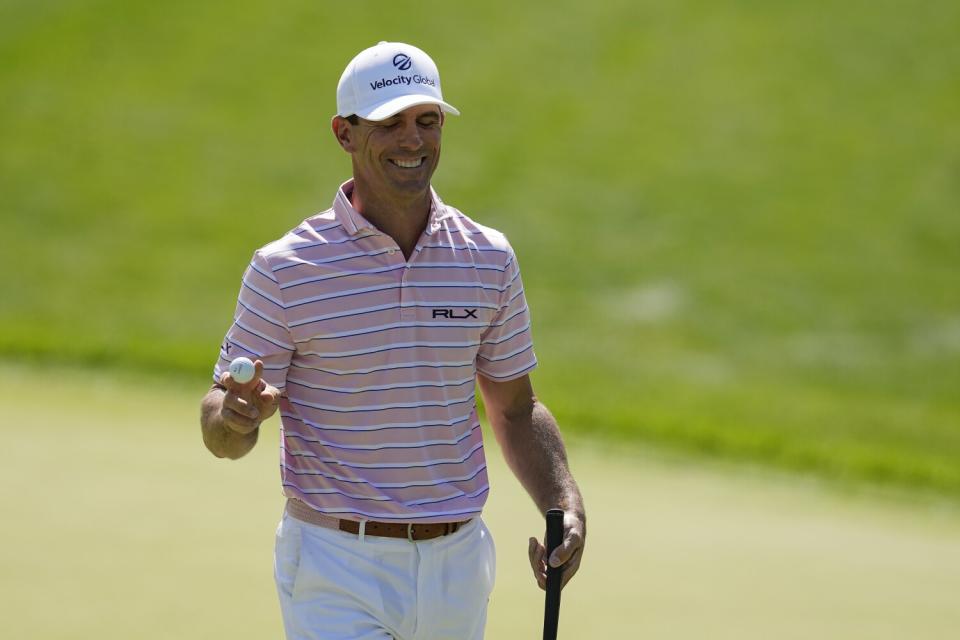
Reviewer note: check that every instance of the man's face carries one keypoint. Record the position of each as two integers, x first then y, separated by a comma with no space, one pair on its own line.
396,156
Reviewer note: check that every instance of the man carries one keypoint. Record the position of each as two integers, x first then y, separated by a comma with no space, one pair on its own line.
371,323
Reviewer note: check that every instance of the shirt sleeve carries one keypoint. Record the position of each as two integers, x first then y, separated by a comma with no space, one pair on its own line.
259,329
506,346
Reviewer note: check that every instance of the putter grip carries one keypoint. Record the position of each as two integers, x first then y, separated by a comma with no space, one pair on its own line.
551,611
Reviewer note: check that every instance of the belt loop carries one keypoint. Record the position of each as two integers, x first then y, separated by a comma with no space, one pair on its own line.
361,535
410,532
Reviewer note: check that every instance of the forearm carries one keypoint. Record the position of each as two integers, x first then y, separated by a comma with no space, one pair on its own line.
531,443
221,440
534,450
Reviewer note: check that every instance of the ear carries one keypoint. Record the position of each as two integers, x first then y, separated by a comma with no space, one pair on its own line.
343,132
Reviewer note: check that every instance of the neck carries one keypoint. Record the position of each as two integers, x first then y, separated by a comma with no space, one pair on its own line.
402,218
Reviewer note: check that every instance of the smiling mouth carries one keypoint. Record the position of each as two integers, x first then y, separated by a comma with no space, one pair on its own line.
408,164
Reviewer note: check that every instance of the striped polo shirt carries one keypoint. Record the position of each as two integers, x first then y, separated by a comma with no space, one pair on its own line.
376,357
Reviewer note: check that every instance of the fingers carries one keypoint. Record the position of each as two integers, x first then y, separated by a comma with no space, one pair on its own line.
268,398
536,552
239,414
257,373
572,541
571,568
246,405
566,556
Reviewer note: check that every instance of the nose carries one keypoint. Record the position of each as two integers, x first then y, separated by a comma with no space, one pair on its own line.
410,135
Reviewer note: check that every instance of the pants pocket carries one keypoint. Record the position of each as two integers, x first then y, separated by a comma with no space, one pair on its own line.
287,555
491,558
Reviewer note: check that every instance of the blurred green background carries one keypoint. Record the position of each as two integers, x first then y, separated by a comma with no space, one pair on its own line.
738,221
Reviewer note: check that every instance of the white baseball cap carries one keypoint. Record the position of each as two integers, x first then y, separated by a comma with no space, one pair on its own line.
386,79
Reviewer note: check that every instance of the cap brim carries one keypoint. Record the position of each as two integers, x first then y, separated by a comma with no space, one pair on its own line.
393,106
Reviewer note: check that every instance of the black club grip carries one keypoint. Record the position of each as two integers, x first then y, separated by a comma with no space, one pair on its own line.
551,610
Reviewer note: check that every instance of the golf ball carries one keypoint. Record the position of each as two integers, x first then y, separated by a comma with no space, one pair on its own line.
242,370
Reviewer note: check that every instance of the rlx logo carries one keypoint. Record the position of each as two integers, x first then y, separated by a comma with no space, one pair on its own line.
452,314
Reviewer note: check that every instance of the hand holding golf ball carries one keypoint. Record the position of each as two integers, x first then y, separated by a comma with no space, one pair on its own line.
249,400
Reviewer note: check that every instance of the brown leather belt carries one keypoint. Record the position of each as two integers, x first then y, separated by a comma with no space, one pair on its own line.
413,532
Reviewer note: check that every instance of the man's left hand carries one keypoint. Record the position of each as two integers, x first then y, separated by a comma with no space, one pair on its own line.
567,555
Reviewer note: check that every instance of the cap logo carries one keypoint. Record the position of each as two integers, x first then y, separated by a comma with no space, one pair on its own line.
383,79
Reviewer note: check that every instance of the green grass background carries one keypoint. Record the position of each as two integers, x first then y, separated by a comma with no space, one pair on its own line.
128,528
739,222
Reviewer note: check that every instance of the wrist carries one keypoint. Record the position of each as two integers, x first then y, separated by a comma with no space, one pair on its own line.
572,502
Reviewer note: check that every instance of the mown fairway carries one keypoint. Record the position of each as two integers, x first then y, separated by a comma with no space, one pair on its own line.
737,221
118,524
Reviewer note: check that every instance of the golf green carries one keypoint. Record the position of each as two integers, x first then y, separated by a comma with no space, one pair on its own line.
120,524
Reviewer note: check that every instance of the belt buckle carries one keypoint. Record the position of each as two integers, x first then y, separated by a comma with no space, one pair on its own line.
410,532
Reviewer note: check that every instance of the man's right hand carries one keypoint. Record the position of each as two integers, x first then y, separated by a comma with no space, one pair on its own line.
246,405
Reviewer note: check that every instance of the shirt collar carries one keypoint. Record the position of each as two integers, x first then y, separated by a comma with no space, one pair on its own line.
354,222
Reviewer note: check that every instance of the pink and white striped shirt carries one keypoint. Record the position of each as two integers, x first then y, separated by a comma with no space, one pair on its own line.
377,357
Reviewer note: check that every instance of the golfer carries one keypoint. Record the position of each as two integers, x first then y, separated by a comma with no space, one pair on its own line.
372,324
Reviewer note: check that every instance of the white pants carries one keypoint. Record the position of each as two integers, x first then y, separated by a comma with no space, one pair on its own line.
333,586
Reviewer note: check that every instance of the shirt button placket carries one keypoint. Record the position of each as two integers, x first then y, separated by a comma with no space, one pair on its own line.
394,255
407,312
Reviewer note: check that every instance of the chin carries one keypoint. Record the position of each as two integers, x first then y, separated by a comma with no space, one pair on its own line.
413,188
412,184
